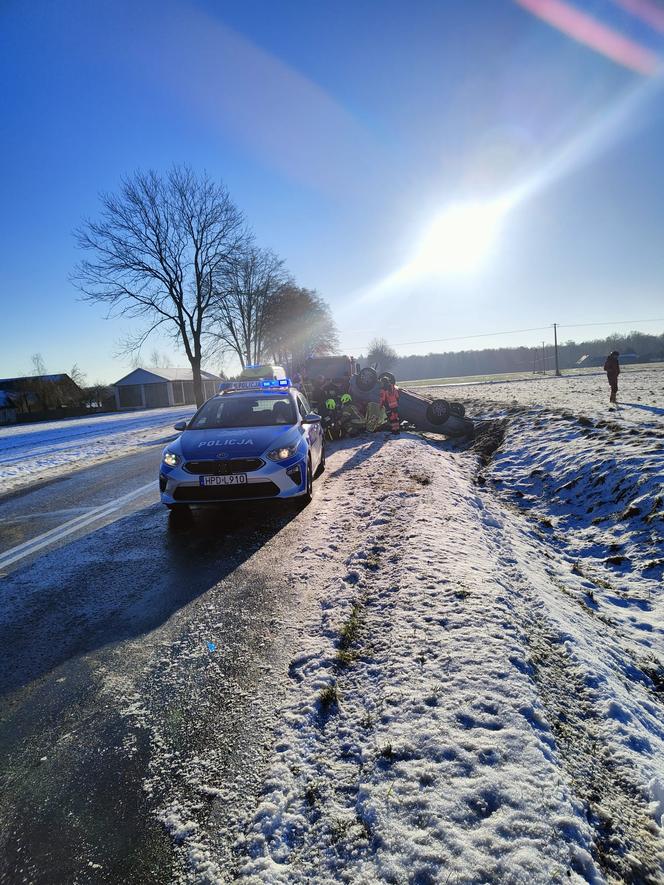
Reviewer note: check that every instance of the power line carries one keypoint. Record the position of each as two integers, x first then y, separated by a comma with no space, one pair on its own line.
463,337
511,332
613,323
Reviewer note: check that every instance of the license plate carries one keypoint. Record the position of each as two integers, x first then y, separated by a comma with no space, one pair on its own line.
236,479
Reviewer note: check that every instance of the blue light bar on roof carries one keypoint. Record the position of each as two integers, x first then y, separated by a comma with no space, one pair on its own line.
258,384
276,382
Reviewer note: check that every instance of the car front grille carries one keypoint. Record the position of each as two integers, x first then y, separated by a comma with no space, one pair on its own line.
224,467
225,493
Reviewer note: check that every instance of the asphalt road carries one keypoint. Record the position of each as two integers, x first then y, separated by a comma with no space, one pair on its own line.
56,511
134,646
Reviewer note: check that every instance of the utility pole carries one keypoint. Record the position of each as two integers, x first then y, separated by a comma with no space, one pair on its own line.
555,347
543,360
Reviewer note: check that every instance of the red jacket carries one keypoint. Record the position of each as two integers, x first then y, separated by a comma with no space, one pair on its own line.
389,399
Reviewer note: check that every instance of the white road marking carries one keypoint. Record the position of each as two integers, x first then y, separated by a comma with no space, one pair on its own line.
9,557
45,514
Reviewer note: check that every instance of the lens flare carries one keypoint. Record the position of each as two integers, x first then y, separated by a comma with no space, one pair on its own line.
586,29
458,241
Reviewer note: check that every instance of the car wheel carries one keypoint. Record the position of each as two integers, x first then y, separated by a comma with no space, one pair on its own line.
458,410
306,498
438,412
321,465
367,379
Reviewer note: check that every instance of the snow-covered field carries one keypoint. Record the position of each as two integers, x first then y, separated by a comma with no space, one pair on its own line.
477,693
33,452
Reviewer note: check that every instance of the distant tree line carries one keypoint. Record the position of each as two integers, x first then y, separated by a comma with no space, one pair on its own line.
174,253
489,361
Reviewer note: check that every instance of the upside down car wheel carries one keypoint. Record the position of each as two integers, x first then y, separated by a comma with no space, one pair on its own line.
438,411
367,379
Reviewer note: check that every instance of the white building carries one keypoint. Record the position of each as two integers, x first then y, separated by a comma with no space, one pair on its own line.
153,388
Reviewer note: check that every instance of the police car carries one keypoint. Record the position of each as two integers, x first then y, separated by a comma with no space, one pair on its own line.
253,440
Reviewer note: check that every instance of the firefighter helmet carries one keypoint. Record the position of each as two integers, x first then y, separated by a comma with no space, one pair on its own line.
346,398
330,404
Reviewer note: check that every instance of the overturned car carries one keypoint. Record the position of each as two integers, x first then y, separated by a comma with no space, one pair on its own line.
436,416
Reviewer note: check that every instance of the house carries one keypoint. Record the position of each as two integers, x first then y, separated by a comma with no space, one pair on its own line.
153,388
7,408
42,393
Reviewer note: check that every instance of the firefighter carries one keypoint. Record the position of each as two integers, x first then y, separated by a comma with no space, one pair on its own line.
351,420
331,415
318,393
389,400
612,369
376,417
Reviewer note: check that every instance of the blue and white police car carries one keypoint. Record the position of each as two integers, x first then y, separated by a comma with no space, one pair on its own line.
253,440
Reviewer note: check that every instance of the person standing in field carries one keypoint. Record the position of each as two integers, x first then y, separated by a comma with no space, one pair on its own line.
612,369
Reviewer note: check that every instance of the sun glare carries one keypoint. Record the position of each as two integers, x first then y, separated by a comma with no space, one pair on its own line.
459,240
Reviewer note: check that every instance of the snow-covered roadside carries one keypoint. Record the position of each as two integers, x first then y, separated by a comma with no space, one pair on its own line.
593,481
31,453
447,707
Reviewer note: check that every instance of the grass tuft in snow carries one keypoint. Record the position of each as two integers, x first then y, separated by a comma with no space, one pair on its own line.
348,636
328,699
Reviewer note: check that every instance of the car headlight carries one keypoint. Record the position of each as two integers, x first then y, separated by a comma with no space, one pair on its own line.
283,453
171,459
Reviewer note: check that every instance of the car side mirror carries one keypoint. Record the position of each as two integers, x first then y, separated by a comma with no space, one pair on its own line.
312,418
181,425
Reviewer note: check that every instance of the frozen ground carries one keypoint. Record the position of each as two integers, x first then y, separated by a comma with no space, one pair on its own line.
640,394
33,452
476,695
476,691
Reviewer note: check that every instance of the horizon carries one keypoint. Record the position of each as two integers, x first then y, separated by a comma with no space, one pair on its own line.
536,348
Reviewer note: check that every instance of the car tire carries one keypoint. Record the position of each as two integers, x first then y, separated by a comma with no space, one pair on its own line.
438,412
367,379
458,410
321,465
308,495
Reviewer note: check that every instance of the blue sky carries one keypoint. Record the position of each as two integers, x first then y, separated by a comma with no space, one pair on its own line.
342,130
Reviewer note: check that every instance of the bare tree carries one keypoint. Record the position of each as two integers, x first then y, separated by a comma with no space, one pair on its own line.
38,387
95,395
159,360
157,248
38,364
381,354
243,292
77,376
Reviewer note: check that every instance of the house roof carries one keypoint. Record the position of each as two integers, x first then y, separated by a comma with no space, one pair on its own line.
59,378
154,376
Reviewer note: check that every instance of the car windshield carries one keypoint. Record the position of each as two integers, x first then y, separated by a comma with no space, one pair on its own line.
244,411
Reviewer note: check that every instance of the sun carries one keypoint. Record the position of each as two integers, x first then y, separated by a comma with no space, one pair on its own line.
458,241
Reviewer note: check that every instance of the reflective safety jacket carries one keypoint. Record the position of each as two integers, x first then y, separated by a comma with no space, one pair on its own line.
389,399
